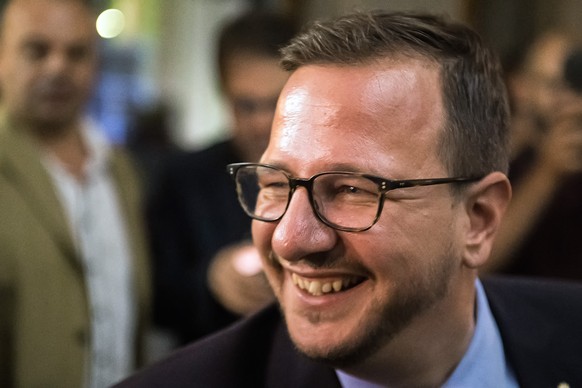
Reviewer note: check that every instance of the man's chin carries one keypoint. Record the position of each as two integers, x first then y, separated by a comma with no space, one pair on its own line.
339,356
339,352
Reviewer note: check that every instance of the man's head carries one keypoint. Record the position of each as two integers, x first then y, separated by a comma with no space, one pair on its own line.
250,76
47,62
400,97
475,124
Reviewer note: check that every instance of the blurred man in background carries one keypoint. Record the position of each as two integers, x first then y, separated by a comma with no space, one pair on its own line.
194,215
73,267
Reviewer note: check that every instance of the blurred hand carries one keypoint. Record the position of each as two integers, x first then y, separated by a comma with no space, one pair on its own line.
236,279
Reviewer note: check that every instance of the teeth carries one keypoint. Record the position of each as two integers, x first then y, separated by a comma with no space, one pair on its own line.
317,287
300,282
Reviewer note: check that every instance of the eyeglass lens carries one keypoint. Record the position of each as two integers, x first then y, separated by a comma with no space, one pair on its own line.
340,199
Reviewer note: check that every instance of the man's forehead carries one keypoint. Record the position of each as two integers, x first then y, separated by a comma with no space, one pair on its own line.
383,77
41,16
372,93
352,110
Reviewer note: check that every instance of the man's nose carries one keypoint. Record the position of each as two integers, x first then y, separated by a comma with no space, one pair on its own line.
300,233
57,62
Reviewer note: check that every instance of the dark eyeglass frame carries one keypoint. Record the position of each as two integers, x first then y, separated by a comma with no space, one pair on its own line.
384,185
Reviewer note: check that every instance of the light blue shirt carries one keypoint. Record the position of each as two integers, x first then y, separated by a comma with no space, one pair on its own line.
483,365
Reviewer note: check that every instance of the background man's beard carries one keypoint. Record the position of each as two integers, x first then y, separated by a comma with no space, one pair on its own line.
48,128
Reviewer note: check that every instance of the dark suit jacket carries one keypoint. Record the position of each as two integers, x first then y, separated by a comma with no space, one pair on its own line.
193,214
540,323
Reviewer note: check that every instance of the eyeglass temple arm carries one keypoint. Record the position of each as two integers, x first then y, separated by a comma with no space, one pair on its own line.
391,185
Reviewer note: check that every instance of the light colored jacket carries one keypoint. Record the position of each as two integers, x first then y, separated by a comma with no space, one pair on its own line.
44,310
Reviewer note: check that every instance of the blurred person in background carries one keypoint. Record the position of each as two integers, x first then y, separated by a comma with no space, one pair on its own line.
541,232
194,216
150,142
74,278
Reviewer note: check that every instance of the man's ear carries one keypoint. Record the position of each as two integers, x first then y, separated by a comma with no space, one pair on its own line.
485,203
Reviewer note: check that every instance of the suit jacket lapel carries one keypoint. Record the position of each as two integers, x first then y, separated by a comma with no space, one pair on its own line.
20,165
535,346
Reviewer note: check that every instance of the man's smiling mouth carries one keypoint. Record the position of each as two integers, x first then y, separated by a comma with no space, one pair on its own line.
317,287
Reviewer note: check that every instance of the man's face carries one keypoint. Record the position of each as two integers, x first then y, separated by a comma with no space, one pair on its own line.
384,120
47,61
252,87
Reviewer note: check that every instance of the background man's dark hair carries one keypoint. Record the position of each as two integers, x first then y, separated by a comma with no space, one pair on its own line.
475,139
256,33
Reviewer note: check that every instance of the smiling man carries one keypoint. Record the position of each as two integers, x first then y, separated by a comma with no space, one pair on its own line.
375,203
348,293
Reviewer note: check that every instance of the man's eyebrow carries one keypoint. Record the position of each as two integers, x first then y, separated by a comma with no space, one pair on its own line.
277,164
346,167
341,166
34,39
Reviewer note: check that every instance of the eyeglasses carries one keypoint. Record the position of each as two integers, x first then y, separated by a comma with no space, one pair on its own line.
346,201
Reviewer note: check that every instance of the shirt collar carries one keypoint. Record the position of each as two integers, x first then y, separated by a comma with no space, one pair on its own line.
98,149
484,363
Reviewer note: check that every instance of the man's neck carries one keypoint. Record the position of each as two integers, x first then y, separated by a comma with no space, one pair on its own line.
66,145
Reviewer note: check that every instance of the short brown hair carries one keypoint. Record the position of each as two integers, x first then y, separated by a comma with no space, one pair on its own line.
475,139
